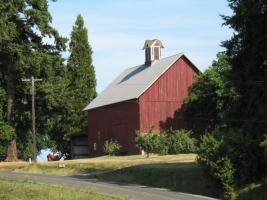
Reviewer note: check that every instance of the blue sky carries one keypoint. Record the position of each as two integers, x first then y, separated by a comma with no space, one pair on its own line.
118,29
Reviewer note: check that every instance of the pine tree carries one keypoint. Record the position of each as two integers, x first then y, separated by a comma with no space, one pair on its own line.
24,53
82,81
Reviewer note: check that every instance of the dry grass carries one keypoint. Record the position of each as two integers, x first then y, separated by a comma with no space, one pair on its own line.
104,163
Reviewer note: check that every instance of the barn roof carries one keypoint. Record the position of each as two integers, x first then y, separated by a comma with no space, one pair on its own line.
132,82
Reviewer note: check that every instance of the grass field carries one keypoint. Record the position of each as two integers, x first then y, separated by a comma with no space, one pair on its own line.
84,166
15,190
175,172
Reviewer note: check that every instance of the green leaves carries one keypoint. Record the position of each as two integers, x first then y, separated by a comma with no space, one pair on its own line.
180,141
211,96
214,159
7,132
81,79
169,142
25,52
111,147
149,142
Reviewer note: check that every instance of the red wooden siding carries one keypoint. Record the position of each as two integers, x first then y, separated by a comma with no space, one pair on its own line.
161,104
117,121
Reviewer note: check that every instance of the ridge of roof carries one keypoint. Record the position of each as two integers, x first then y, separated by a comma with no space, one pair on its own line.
155,61
133,82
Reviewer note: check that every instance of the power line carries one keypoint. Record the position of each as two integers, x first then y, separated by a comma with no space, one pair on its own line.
192,118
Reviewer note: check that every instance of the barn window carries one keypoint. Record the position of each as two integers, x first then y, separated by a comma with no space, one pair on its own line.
95,146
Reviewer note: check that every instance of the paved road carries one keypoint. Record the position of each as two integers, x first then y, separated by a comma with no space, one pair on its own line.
135,192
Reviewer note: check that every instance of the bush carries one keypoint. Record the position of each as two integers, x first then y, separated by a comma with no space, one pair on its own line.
150,142
111,147
180,141
170,142
212,156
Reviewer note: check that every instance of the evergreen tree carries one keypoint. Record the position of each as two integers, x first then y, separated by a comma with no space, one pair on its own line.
82,81
23,53
235,155
247,51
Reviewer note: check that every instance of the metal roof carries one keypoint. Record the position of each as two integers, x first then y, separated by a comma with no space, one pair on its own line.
132,82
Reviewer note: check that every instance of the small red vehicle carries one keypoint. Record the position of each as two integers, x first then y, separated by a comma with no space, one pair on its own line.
51,157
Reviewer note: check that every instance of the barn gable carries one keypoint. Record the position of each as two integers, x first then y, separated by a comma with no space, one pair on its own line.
161,103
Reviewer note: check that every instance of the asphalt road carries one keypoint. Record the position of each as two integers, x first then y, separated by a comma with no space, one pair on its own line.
135,192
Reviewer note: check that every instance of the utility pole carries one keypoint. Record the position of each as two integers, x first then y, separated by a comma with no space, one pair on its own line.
33,80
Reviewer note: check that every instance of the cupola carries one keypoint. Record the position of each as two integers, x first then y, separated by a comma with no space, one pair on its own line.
152,51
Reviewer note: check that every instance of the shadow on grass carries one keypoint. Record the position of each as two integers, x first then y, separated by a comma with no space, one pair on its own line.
257,193
182,177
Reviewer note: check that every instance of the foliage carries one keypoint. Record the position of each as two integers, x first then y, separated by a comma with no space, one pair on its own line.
111,147
25,52
248,57
149,142
81,78
180,141
169,142
212,156
210,97
232,96
231,158
7,133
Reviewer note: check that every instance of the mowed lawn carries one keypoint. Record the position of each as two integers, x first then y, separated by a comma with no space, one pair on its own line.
15,190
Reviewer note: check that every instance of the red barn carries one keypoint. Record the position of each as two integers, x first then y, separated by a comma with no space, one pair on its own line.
143,96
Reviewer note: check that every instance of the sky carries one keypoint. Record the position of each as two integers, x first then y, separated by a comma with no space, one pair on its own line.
118,29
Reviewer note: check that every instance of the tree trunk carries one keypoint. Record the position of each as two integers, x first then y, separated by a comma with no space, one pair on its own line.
12,146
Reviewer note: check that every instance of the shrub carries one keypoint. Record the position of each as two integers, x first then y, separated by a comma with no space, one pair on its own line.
163,144
212,156
111,147
180,141
245,154
170,142
150,142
